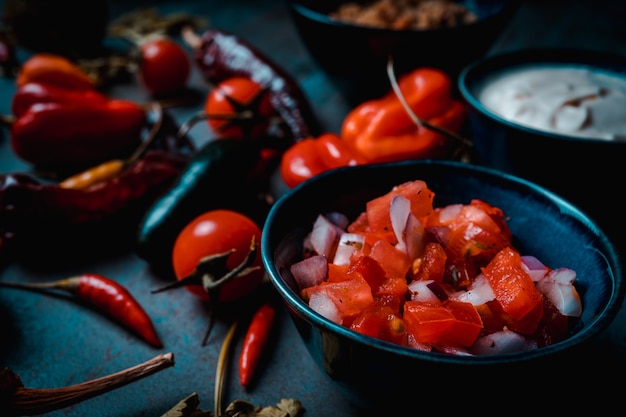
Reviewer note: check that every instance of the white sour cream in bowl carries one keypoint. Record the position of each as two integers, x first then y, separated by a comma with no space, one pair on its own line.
562,99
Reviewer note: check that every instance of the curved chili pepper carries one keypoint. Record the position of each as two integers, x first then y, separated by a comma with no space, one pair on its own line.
312,156
106,295
254,342
54,69
221,55
33,92
77,132
382,130
27,205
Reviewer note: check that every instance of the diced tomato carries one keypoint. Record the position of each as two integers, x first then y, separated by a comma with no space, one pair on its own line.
338,273
369,269
450,323
396,263
515,291
492,322
474,230
381,322
349,296
433,263
416,192
392,292
553,327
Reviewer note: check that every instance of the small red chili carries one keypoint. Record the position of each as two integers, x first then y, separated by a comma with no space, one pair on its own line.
254,342
108,296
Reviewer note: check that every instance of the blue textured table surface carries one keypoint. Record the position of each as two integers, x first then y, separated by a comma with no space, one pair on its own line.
52,343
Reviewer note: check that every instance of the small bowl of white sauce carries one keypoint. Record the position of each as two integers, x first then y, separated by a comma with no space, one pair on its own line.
556,117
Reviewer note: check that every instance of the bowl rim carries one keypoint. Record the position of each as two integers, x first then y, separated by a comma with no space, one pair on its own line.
570,57
294,302
317,16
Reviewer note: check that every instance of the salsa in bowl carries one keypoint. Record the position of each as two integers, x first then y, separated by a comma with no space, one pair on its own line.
371,371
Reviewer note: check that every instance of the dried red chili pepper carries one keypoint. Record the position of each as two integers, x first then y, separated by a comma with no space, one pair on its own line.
27,205
106,295
255,341
221,55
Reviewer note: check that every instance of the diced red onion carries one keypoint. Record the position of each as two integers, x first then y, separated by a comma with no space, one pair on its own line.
419,290
399,211
348,243
558,287
321,303
310,271
324,236
479,292
498,343
534,267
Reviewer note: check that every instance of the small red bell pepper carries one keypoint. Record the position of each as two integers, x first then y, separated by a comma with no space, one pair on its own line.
312,156
382,130
58,127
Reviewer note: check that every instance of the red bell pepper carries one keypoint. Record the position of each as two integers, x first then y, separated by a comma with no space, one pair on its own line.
312,156
382,130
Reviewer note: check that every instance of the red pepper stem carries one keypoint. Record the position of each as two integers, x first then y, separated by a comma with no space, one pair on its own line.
418,121
7,119
156,126
35,401
202,115
67,284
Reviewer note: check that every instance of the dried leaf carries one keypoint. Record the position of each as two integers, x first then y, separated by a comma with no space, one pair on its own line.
187,407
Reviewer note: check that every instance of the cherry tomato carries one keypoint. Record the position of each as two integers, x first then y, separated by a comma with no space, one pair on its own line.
244,97
164,67
212,233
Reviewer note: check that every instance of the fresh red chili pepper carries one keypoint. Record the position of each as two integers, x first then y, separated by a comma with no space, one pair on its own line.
255,341
312,156
106,295
54,69
79,132
221,55
382,130
37,92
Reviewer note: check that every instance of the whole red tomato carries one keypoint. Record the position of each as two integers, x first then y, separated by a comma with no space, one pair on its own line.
164,66
212,233
243,97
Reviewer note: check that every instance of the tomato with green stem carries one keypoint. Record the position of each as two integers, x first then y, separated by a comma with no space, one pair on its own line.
213,234
239,107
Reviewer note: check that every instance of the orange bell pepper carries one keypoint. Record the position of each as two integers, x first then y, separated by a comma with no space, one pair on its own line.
382,131
312,156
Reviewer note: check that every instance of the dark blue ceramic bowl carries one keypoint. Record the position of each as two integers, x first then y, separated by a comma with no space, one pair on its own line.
355,56
584,171
383,377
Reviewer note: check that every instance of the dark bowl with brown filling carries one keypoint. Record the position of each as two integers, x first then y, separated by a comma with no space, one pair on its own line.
355,54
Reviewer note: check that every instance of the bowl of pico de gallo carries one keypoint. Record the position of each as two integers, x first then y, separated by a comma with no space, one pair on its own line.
440,282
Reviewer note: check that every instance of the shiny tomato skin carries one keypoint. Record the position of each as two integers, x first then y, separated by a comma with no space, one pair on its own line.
164,66
215,232
244,92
